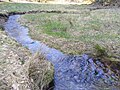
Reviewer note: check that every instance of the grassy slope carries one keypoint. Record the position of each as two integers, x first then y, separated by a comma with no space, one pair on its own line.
77,33
71,33
24,7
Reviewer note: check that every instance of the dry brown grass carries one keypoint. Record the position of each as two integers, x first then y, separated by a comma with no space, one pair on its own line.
12,56
40,71
19,70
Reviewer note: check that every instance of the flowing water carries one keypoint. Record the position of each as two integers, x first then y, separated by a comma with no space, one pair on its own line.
72,72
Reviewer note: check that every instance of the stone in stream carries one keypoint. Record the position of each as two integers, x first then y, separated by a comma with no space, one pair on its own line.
84,73
70,72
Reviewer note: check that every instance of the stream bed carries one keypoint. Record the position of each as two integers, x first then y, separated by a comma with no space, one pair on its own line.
71,72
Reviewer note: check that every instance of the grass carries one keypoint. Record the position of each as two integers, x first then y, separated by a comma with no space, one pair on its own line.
71,33
18,65
100,50
56,29
15,59
11,55
25,7
41,71
76,33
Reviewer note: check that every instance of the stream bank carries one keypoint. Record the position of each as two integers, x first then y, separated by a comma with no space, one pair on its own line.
18,68
71,72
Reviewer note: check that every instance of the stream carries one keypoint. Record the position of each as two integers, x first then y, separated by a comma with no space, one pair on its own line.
71,72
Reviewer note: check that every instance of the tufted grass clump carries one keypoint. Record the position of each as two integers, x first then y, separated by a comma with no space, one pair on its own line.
40,71
100,50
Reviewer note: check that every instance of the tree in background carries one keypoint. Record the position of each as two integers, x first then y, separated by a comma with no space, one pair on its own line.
108,2
98,2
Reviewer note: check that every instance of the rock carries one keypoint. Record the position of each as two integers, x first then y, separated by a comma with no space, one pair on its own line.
84,73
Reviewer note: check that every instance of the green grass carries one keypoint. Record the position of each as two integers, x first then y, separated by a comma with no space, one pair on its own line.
25,7
101,51
78,33
77,27
71,33
56,29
